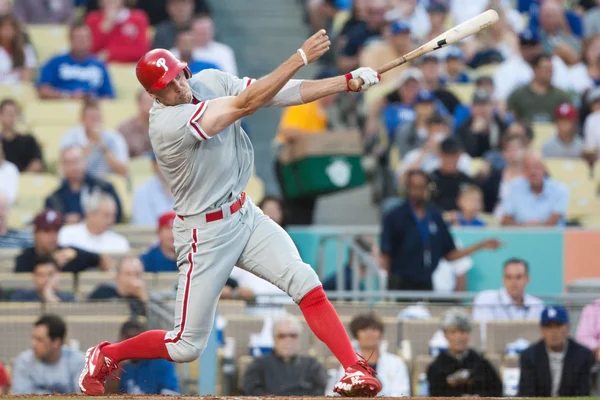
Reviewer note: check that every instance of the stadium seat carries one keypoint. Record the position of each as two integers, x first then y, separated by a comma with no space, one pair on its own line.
24,309
140,166
48,40
89,330
464,91
541,133
242,365
239,327
123,189
124,81
391,334
49,138
33,190
15,331
420,366
476,165
495,360
420,332
114,112
87,281
165,281
99,308
231,307
41,114
576,175
499,333
255,188
305,339
7,259
12,280
22,93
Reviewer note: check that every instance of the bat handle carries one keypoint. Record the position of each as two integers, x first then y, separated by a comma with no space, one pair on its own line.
355,84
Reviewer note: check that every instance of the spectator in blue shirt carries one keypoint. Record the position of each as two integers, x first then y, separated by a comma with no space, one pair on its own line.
455,67
535,199
415,237
144,376
76,73
162,257
470,204
151,199
46,276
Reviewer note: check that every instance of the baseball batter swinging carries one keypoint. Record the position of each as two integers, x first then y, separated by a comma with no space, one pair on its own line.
207,158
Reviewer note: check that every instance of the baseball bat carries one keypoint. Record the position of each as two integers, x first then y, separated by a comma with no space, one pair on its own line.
451,36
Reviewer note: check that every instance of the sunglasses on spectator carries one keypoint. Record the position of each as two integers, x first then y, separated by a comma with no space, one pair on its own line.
284,335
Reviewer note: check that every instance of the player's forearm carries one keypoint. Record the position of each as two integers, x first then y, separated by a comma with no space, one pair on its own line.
311,90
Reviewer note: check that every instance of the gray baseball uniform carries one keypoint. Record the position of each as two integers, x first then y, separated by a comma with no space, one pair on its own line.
207,175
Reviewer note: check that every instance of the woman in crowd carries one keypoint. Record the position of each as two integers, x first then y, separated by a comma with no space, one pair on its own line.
17,57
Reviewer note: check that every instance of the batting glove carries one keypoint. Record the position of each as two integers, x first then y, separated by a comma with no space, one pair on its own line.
369,76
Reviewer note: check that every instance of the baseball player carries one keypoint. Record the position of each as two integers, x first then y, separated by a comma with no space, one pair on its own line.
207,159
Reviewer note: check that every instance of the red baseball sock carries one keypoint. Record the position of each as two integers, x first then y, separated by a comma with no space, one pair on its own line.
325,323
145,346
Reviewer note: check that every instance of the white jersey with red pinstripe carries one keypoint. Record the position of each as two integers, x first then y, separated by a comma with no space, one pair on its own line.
203,172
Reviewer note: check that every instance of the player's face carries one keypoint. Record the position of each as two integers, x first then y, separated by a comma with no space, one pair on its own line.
458,340
177,92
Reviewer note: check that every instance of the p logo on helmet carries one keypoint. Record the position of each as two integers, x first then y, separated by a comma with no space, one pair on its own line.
161,62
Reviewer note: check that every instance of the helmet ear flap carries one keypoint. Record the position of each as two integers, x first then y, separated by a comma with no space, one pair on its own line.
187,72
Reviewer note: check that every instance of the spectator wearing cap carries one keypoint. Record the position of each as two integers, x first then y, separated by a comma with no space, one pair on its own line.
591,133
135,130
180,14
535,199
555,35
556,366
427,158
45,277
76,186
459,370
413,135
21,150
517,69
161,257
32,12
359,36
9,176
76,73
11,238
455,67
415,13
566,143
152,198
536,101
397,42
482,131
68,259
447,180
438,13
415,237
430,67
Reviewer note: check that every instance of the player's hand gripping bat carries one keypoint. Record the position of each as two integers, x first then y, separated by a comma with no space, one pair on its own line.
447,38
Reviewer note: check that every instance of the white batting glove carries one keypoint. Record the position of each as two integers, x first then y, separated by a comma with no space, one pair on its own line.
369,76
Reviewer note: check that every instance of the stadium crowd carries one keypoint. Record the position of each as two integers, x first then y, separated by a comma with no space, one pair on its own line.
501,129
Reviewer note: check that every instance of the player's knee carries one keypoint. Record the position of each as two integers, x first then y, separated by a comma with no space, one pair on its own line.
303,281
185,351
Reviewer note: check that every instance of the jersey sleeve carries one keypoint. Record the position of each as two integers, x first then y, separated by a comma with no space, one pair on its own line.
225,84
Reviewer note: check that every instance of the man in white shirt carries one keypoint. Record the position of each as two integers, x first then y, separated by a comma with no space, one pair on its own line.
516,71
9,178
94,234
207,49
510,303
591,127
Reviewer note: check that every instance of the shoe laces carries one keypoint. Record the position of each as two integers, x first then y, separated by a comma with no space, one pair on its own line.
111,369
365,364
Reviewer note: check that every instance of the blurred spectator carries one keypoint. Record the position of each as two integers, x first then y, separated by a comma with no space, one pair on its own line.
555,33
438,13
253,288
462,10
588,330
10,238
50,367
415,237
284,372
397,42
492,45
358,36
233,291
9,178
586,74
470,205
272,207
105,149
206,49
461,371
4,380
447,180
455,67
128,284
556,365
591,21
519,132
180,14
17,57
591,131
536,101
76,186
76,73
21,150
135,130
566,143
184,46
510,303
296,121
152,198
45,12
68,259
482,131
357,15
94,232
413,135
415,13
430,67
517,69
145,376
46,276
162,257
534,200
427,158
157,10
119,34
331,281
451,276
572,20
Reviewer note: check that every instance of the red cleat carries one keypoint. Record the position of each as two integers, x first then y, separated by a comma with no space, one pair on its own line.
97,369
358,381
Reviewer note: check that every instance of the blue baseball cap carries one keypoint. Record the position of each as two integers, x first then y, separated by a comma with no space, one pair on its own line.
528,37
399,26
454,52
425,96
437,7
554,314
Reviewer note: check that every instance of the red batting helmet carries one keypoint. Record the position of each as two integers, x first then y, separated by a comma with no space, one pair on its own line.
158,67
